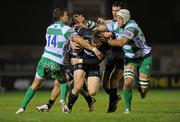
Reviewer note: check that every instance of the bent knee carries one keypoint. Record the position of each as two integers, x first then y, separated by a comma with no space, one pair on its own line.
76,90
92,93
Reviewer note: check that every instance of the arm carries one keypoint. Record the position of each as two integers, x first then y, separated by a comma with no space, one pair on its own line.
107,34
101,27
127,35
79,40
117,42
103,21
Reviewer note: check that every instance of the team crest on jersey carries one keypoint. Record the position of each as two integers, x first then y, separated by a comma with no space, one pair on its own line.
128,34
96,72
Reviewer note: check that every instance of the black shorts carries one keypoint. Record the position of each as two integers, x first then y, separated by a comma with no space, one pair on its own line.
115,60
69,71
78,66
91,70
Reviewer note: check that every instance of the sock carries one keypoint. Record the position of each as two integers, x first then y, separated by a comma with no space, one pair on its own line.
107,91
85,94
88,98
127,98
63,93
28,96
50,103
113,94
72,100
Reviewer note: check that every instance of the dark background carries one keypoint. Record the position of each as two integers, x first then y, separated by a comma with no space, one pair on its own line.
25,22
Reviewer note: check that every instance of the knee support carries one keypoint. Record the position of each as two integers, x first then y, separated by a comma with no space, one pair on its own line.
129,73
144,82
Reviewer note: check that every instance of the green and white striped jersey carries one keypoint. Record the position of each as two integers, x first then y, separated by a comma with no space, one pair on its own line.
90,24
137,46
57,36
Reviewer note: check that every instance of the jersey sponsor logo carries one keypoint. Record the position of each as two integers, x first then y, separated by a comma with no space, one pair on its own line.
96,72
80,66
128,34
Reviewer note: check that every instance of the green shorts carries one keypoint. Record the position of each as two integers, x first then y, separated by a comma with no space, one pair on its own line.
143,65
49,69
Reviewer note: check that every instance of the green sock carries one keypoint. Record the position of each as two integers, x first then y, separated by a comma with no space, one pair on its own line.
28,96
63,94
127,98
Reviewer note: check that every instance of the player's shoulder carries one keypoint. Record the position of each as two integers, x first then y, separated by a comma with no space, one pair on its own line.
131,24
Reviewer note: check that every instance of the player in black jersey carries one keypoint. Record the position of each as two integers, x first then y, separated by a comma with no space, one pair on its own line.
114,67
86,66
68,53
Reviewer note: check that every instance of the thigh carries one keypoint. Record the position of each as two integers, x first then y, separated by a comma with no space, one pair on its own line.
117,74
79,76
105,78
109,68
69,73
93,83
145,69
146,66
49,69
40,70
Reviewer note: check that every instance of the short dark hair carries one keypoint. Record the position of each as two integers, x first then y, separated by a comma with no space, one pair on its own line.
119,4
75,13
58,12
78,12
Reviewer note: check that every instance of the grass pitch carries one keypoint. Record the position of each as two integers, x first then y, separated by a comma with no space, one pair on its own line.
158,106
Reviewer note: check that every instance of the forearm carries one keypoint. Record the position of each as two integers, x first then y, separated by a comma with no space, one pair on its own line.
118,43
101,27
79,40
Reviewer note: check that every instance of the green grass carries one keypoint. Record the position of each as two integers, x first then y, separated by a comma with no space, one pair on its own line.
158,106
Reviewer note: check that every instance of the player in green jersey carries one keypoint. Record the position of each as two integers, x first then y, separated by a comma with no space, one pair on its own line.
51,64
114,65
138,59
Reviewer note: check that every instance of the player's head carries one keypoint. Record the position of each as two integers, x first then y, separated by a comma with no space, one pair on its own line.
123,16
78,17
96,39
61,14
116,6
